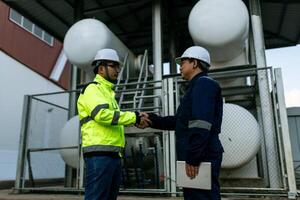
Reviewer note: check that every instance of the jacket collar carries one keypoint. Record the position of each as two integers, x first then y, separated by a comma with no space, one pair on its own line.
103,81
194,79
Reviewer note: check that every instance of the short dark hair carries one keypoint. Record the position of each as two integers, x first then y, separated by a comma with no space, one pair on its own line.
97,64
202,65
101,63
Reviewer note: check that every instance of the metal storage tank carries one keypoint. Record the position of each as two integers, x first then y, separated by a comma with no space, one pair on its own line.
86,37
233,137
220,26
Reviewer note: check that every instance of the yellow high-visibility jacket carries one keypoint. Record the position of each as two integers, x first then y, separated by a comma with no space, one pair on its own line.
102,122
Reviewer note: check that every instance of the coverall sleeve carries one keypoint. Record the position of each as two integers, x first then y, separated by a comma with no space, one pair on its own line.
162,123
204,96
99,110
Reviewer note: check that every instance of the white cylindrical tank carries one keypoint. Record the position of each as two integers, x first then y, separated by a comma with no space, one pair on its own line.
240,136
69,138
220,26
86,37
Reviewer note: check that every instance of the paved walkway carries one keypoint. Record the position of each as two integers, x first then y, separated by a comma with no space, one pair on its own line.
9,195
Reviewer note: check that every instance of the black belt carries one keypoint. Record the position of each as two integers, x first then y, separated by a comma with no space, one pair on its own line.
101,153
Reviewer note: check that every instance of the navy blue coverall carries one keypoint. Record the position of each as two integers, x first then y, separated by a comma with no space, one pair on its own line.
197,124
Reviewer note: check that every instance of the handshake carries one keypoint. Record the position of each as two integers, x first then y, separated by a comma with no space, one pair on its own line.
143,120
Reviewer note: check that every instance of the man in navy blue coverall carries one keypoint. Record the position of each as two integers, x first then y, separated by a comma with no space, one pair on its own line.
197,122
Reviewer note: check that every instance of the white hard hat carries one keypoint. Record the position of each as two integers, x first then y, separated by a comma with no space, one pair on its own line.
195,52
107,54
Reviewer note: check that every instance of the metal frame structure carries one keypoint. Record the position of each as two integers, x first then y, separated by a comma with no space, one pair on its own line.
279,178
169,95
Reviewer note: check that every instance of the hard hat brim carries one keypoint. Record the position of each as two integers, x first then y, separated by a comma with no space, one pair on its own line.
178,60
95,61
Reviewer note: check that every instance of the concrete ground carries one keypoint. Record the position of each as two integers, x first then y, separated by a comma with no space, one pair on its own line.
9,195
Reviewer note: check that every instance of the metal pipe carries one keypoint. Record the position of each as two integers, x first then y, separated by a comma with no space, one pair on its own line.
72,95
157,44
265,98
78,7
285,136
172,35
172,139
52,104
277,115
166,137
22,143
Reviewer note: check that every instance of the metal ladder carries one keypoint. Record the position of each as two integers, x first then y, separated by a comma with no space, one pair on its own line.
133,93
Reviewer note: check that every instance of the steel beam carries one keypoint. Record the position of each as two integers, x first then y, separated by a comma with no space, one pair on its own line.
265,97
157,44
287,147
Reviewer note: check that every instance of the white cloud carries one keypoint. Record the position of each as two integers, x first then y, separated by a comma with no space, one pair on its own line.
292,98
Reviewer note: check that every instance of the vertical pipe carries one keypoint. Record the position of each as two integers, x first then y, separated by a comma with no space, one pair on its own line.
285,136
72,95
78,6
173,66
172,136
166,138
172,36
78,15
71,113
277,122
22,144
157,46
156,167
262,158
265,97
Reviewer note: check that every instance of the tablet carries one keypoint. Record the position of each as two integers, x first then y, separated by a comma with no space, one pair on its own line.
201,181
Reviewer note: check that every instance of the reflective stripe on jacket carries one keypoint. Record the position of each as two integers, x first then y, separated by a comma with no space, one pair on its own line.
102,122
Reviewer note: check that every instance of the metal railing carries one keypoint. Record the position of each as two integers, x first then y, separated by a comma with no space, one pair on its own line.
34,146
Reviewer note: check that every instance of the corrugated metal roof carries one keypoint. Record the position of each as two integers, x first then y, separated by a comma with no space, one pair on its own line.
131,20
281,22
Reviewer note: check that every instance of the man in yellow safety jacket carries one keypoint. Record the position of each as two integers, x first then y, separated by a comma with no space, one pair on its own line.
102,128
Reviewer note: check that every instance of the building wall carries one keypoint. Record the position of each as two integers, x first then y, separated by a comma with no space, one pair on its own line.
294,128
16,81
26,63
28,49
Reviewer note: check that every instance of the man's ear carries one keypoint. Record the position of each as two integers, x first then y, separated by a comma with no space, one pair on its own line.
195,64
101,69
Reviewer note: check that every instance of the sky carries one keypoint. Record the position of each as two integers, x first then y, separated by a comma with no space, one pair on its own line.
288,59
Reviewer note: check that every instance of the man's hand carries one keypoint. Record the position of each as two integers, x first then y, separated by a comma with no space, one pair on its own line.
145,121
191,171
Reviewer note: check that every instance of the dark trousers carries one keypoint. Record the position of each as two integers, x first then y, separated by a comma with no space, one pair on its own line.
214,193
103,177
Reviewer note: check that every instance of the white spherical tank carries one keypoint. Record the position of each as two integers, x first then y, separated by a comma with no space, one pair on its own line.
240,136
69,138
86,37
220,26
